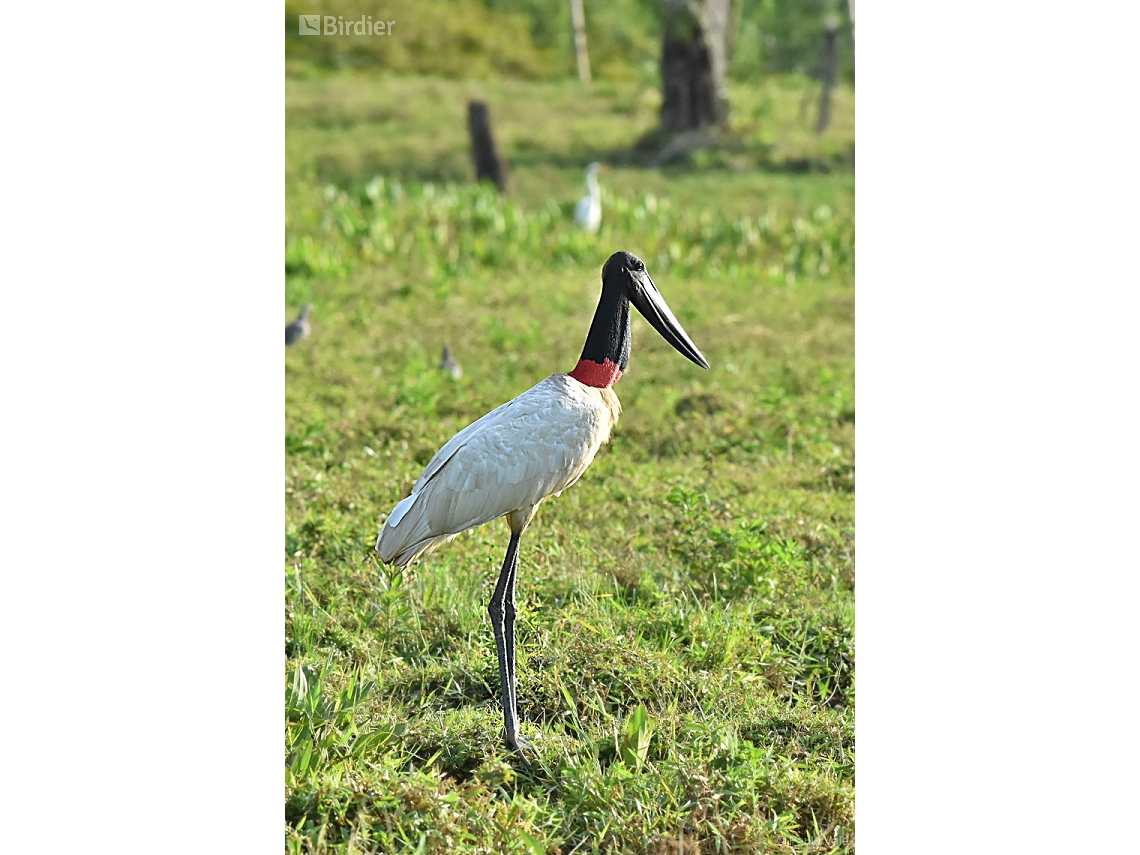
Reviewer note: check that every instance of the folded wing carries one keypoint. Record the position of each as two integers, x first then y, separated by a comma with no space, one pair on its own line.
511,459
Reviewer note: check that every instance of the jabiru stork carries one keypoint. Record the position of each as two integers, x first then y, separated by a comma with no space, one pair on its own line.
529,449
299,328
588,214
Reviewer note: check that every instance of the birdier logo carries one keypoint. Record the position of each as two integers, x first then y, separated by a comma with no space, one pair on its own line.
336,25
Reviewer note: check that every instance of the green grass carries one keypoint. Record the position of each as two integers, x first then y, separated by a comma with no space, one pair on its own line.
345,128
686,625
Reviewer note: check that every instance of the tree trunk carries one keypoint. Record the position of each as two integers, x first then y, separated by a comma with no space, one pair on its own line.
828,72
693,62
578,17
488,165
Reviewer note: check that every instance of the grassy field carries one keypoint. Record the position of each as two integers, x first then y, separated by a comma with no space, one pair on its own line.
686,652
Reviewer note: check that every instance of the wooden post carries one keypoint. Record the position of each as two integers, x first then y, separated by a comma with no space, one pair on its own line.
829,72
488,165
578,16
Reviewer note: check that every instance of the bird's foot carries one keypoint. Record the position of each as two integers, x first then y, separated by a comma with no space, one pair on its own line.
521,745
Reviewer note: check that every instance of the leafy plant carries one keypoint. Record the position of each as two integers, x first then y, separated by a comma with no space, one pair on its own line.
320,727
634,746
451,229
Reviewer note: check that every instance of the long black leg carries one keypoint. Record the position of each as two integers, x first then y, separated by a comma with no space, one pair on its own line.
510,611
502,611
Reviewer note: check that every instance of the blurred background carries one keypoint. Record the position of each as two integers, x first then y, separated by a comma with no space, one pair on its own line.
520,57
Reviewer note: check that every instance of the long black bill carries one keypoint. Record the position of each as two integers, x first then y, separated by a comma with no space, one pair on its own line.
648,300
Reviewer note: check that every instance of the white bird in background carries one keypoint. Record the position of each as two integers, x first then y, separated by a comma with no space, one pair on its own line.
450,365
529,449
588,214
299,329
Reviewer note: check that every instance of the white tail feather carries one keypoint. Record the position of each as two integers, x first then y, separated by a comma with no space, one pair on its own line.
403,545
398,512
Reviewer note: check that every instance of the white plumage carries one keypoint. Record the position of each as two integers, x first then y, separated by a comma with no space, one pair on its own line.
588,214
507,462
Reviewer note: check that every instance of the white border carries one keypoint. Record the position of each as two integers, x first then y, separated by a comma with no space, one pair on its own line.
996,375
143,381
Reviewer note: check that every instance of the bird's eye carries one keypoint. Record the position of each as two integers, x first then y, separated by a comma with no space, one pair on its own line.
638,265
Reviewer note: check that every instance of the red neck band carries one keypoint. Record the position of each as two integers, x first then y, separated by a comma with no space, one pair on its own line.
589,373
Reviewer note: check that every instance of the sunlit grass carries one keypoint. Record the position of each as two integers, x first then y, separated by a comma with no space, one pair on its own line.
686,626
347,126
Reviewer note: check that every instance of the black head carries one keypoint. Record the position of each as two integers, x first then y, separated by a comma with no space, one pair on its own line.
625,273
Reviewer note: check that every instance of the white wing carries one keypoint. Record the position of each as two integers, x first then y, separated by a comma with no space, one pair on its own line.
511,459
458,441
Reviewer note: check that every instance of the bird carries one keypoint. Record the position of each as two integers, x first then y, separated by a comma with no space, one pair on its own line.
511,460
588,214
299,329
450,365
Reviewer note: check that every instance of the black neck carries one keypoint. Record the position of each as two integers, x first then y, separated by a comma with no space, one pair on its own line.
609,333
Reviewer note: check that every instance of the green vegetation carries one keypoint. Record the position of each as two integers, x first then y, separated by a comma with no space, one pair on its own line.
345,128
533,39
686,635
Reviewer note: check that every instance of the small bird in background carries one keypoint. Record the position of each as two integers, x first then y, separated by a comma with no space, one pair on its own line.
588,214
299,329
450,365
